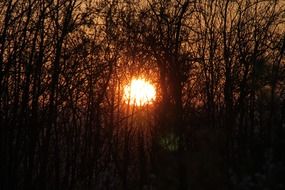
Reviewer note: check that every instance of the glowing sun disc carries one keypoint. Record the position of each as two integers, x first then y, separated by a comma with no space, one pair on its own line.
139,92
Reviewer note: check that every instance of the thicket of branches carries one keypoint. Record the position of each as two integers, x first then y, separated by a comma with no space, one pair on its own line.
219,119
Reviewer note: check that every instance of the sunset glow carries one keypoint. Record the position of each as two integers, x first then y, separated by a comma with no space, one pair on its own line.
139,92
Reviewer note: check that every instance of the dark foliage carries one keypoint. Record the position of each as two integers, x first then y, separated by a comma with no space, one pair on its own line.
218,121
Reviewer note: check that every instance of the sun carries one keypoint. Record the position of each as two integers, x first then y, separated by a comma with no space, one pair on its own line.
139,92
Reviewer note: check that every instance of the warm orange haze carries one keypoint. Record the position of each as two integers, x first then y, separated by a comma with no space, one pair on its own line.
139,92
142,94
